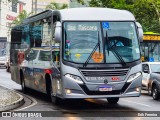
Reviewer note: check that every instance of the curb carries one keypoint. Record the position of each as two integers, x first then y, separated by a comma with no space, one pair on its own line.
15,104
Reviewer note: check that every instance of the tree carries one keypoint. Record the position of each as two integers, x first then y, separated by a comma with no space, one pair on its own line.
55,6
147,12
81,2
156,6
21,17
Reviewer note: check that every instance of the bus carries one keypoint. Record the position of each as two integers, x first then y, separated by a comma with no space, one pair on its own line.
96,55
150,47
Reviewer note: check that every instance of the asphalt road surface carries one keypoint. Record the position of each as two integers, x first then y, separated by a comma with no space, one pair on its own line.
133,108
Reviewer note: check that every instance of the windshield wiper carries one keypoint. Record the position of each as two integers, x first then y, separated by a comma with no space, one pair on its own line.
94,49
114,51
118,56
107,41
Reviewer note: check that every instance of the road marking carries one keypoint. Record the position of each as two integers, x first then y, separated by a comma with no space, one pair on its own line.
34,102
137,103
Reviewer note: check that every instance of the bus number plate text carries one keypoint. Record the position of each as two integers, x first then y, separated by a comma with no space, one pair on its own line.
105,88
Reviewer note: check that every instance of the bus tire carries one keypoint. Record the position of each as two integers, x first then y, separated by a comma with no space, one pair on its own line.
9,69
24,89
54,99
112,100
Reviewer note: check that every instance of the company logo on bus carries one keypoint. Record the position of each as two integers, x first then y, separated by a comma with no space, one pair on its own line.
115,78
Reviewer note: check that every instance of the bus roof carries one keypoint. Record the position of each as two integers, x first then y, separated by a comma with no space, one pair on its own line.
96,14
85,14
38,16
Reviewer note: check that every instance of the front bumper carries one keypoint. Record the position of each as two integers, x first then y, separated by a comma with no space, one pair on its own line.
90,90
2,64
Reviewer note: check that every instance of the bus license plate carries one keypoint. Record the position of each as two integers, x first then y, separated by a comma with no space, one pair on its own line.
105,88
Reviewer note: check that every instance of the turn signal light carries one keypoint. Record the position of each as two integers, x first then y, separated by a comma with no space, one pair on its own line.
115,78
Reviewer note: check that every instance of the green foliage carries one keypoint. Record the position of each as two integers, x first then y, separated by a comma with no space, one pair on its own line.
81,2
55,6
21,17
147,12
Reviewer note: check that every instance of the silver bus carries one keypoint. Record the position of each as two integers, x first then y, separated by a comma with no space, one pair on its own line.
92,53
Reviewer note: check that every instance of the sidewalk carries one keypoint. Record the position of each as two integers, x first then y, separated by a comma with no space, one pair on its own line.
9,99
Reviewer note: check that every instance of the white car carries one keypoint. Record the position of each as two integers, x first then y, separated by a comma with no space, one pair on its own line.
36,64
39,58
3,61
151,78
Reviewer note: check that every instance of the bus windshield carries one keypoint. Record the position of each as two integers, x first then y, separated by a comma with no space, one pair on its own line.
117,42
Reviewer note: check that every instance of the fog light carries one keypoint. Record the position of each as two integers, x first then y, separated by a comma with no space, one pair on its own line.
137,89
68,91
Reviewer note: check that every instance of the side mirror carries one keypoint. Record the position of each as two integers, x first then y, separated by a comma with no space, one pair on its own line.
140,32
58,32
146,71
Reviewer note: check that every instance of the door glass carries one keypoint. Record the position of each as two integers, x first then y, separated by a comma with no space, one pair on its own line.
56,57
33,55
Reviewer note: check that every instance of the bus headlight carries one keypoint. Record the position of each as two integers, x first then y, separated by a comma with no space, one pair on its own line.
133,76
74,78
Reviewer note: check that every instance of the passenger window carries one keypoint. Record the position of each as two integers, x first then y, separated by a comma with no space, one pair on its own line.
45,56
32,54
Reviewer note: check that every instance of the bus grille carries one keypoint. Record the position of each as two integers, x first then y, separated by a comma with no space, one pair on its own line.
115,92
102,73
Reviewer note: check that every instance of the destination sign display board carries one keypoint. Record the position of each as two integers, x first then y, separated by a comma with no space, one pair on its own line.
151,37
82,27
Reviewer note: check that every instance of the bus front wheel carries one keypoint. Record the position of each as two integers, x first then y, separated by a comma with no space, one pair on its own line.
54,99
112,100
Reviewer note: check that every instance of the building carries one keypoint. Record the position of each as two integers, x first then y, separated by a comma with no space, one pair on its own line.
40,5
8,13
10,10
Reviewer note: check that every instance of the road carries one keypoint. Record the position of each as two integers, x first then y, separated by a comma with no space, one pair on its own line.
84,109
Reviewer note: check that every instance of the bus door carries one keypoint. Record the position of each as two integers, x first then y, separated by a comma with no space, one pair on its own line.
29,70
56,81
41,65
